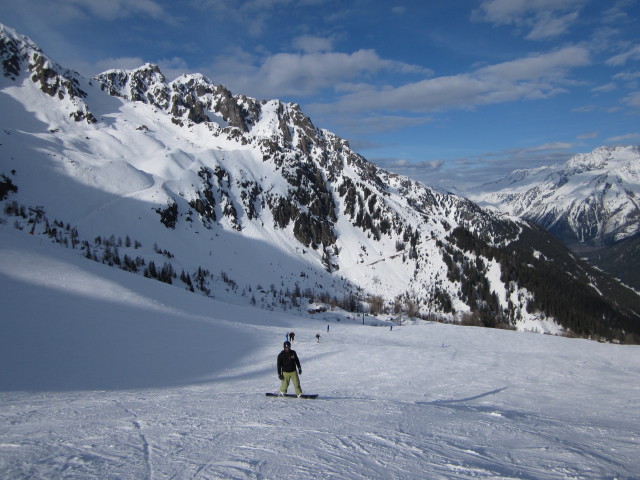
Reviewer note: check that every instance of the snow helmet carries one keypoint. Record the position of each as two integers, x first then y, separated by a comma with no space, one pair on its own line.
287,344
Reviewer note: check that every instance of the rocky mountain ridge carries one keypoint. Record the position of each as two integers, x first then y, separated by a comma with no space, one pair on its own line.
591,202
593,197
253,190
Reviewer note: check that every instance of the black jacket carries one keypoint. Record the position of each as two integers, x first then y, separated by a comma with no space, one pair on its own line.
288,361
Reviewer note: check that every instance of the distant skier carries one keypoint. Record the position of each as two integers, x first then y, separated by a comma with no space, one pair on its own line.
286,337
318,337
288,361
327,328
292,335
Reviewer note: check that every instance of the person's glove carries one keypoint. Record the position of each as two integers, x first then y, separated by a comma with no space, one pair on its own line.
299,371
281,377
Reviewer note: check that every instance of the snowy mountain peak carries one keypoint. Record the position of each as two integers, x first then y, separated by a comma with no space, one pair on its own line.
21,57
243,194
596,159
195,99
144,84
605,158
517,177
15,50
592,197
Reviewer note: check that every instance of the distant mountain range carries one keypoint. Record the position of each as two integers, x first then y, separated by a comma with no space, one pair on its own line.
249,201
591,203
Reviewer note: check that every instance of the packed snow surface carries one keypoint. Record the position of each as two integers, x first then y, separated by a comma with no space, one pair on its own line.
108,375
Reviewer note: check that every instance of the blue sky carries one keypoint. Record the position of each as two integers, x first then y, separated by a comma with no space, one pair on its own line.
449,92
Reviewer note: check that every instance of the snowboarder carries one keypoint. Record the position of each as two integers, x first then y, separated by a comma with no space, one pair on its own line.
288,361
292,335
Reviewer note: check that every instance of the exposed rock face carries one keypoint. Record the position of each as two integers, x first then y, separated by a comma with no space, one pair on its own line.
19,55
14,52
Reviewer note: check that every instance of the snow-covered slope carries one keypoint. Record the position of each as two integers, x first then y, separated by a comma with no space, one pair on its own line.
248,201
111,375
592,198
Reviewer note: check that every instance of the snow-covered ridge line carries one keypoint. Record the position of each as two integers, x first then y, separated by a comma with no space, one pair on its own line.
255,190
592,195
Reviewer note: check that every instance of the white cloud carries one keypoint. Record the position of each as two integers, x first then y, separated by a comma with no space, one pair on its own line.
500,12
632,100
585,109
543,19
545,147
534,77
252,16
549,65
312,44
547,25
616,13
627,76
587,135
512,11
397,163
467,172
47,15
631,54
285,74
474,170
624,138
631,79
115,9
375,123
609,87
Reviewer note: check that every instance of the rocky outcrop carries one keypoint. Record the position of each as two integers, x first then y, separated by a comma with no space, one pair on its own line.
20,56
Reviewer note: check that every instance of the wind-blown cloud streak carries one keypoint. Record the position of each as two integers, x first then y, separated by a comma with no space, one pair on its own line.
535,77
306,73
543,19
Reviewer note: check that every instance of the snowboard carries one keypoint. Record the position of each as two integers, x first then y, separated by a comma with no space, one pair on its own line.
291,395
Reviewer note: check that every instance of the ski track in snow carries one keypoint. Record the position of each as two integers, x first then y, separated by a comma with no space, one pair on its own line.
178,390
205,433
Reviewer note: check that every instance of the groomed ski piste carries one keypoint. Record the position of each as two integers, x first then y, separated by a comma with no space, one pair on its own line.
108,375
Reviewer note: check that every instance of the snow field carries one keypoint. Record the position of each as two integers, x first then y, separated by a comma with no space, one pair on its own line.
109,375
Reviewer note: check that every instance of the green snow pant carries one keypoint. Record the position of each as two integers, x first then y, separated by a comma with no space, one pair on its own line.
288,377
